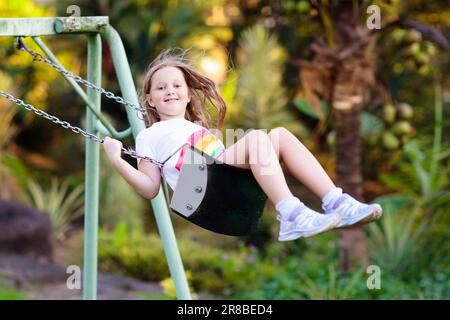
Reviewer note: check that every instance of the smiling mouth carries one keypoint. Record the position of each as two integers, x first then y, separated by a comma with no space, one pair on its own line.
169,100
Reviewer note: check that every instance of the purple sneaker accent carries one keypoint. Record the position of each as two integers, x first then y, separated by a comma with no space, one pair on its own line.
352,211
307,223
341,199
294,214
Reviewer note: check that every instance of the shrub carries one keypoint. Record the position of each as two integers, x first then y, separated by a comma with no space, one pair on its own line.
62,205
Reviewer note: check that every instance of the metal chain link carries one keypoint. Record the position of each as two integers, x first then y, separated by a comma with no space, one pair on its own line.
75,129
39,57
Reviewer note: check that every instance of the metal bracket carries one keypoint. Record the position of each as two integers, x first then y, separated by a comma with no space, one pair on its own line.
191,185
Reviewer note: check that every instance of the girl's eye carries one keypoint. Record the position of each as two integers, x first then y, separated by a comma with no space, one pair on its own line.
177,86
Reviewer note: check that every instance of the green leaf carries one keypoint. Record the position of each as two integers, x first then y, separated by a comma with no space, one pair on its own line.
120,234
305,107
370,124
396,201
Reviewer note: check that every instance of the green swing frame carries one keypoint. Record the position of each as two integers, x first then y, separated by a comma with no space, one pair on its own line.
94,29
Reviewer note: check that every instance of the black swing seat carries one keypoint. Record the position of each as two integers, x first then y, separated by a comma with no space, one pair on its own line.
216,196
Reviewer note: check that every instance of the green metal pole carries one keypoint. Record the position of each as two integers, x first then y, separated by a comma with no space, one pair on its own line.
159,205
91,197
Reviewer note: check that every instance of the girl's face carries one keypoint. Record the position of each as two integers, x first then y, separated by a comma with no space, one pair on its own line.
169,93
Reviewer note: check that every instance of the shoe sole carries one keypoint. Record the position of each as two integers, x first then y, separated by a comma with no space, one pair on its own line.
293,235
374,215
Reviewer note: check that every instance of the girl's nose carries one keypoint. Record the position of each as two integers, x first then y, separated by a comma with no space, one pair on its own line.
170,91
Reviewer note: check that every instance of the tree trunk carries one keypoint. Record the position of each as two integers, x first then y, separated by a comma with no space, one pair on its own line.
347,111
342,73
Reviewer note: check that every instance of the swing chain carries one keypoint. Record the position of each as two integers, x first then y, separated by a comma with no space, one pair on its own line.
75,129
39,57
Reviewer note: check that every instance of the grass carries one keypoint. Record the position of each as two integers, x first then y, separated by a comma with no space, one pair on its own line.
7,293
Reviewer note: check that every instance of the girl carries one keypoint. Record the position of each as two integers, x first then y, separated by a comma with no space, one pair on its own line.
174,95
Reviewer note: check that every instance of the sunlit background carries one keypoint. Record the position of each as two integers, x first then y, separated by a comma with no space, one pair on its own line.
371,105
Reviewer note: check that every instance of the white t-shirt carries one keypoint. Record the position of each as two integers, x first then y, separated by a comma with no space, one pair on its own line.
163,138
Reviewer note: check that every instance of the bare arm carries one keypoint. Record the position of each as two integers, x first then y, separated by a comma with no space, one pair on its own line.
146,181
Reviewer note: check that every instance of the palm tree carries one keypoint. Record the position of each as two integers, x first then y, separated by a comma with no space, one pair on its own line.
260,100
343,72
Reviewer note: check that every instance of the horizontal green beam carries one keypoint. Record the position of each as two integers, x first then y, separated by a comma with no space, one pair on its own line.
50,26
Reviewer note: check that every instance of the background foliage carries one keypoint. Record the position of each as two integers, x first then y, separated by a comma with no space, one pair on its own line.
251,49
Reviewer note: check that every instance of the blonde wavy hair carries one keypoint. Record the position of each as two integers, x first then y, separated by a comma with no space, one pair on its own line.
200,87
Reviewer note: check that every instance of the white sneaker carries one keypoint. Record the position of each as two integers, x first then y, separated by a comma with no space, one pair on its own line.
308,223
353,212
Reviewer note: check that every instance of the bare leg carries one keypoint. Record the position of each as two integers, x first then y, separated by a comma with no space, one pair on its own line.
301,162
255,151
